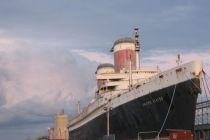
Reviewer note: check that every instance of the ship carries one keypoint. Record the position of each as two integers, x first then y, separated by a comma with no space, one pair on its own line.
133,101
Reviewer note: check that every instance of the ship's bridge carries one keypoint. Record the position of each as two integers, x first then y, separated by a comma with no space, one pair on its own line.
110,81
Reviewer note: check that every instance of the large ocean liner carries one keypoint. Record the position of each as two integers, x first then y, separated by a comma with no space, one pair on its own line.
132,101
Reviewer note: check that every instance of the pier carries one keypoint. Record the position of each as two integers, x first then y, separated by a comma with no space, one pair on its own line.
202,120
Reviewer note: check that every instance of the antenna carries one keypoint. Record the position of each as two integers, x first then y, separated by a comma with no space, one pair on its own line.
136,35
78,107
178,61
130,75
137,44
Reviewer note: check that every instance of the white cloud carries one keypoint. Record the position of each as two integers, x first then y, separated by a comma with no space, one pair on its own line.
2,31
95,56
41,80
9,44
166,59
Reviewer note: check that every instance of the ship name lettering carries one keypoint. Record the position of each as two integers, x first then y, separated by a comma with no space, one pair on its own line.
159,99
153,101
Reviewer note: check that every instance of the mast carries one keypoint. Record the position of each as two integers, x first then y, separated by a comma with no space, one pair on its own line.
137,44
130,75
178,61
78,107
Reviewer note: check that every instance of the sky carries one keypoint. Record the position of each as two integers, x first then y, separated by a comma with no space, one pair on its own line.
50,49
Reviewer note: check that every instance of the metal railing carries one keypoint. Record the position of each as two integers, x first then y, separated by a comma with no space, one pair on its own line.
202,115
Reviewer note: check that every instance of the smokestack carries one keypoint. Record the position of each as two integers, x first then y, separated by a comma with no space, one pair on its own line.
124,51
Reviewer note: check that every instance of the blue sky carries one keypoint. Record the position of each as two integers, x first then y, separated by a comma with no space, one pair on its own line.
49,50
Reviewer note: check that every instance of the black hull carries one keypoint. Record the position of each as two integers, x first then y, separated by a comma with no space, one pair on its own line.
146,113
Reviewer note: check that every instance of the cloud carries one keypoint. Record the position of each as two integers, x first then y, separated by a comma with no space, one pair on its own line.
6,44
36,81
98,57
166,59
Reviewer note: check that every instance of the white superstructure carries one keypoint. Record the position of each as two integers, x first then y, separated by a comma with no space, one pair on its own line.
144,82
